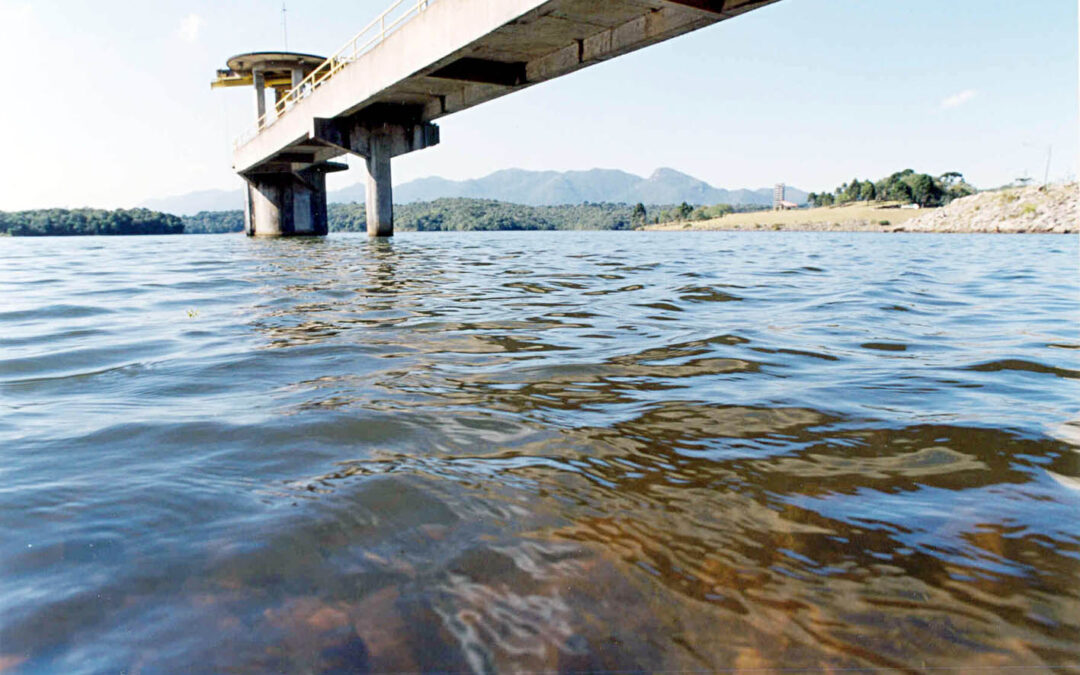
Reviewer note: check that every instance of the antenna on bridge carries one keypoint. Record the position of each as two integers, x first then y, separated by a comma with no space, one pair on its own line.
284,26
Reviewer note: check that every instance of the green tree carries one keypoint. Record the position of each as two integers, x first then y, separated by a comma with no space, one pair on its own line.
720,210
851,191
958,190
898,191
924,190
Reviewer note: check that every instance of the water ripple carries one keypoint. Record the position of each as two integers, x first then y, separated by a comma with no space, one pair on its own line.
539,451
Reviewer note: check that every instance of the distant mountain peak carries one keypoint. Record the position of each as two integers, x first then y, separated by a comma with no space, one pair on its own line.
667,173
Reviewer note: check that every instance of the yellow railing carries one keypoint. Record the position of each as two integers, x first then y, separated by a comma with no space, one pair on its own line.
392,18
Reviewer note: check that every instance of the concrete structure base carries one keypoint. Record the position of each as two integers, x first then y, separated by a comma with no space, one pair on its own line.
288,204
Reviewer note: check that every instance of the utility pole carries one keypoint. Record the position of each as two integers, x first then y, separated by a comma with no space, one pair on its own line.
1046,175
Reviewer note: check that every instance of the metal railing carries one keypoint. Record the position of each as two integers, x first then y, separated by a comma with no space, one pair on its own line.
391,19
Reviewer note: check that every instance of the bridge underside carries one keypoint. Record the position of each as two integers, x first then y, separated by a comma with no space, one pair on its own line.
454,55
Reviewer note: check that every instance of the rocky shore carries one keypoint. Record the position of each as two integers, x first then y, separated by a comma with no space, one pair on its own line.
1051,209
1042,209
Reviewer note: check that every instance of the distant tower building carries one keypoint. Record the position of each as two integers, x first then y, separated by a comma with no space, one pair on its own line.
778,195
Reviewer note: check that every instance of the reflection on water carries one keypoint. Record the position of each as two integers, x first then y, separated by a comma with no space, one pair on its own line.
539,452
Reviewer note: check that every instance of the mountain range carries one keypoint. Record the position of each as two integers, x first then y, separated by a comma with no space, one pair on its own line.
519,186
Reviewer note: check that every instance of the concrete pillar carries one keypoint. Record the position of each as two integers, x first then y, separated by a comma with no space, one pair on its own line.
380,195
297,77
287,204
377,142
260,96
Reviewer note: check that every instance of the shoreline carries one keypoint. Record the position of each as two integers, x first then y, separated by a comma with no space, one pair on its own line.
1050,209
851,226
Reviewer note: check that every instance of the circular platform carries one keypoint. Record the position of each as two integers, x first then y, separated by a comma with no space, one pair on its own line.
273,62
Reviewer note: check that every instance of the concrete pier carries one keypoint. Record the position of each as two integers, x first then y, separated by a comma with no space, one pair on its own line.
288,204
380,194
378,136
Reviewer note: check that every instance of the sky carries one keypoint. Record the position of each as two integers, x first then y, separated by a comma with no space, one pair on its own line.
108,103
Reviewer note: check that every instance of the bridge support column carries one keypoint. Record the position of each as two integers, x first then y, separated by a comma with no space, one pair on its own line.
288,203
377,142
380,192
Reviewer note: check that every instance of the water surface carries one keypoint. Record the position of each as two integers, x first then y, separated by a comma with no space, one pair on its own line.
545,451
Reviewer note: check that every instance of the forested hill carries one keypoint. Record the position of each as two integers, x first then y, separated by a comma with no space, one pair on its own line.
461,214
69,222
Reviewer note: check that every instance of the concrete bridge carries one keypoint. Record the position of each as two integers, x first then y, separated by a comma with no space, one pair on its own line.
379,95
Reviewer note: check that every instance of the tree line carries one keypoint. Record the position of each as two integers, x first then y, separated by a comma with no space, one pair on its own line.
440,215
462,214
68,222
214,222
903,186
465,214
688,212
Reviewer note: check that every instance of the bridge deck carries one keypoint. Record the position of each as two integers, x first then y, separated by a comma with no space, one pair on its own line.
455,54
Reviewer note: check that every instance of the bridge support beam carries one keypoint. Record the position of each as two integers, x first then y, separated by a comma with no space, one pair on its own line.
377,143
286,204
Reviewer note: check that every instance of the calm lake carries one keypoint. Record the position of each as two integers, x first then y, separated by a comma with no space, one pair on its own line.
539,451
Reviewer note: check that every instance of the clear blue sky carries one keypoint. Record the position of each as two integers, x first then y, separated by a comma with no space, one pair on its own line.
108,103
